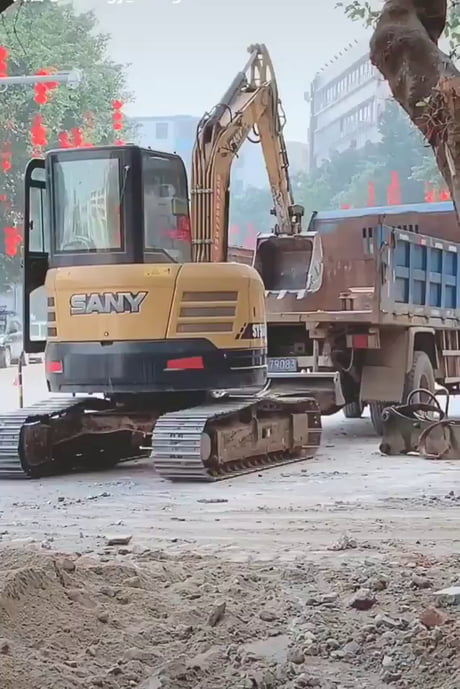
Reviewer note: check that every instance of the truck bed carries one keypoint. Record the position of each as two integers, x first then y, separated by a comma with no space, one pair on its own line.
378,276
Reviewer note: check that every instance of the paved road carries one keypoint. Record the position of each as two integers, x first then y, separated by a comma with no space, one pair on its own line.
34,386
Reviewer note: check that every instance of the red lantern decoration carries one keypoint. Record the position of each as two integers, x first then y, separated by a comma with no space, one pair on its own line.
38,132
13,240
6,161
77,137
117,119
41,90
394,190
371,195
4,54
64,140
52,85
249,241
117,116
429,193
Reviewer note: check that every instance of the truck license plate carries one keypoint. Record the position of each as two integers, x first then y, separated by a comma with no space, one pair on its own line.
282,365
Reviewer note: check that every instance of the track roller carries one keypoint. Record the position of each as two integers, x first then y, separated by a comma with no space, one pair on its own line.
236,436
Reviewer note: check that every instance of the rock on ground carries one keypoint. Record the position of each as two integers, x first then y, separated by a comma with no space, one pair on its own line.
160,621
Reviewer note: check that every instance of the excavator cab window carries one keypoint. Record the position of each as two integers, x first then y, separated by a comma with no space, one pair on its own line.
94,216
167,234
87,195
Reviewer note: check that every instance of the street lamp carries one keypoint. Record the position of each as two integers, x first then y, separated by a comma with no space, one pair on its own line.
72,79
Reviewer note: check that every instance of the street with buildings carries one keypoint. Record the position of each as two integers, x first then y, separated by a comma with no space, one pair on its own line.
321,574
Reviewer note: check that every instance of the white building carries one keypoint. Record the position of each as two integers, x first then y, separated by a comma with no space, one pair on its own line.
346,99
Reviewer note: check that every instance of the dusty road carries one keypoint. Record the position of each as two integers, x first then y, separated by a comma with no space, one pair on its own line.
281,513
319,574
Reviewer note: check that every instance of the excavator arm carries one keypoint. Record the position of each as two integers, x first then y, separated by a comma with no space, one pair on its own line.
250,104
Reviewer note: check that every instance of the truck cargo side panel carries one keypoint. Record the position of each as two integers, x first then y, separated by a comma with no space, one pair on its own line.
421,275
348,263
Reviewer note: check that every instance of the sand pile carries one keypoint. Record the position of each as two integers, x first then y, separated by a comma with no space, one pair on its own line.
163,622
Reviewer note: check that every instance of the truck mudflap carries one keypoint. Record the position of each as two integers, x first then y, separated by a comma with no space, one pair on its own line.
421,428
323,386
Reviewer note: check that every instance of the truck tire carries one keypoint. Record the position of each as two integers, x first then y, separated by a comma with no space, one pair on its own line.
2,359
353,410
421,375
376,409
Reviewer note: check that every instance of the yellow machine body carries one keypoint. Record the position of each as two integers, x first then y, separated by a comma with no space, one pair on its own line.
212,301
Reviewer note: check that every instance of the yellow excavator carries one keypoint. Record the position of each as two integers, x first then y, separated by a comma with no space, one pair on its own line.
165,339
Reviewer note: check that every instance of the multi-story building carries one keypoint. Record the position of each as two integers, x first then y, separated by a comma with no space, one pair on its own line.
346,99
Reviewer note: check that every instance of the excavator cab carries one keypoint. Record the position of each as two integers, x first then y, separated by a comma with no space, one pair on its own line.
108,254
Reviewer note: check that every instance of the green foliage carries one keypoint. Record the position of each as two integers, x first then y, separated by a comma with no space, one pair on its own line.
344,178
50,35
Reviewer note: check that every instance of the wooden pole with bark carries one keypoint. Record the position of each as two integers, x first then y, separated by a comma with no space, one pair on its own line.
423,79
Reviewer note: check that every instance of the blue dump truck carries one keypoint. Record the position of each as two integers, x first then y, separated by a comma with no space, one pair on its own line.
364,306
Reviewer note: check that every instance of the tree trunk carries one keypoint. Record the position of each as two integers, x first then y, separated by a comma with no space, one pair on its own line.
423,80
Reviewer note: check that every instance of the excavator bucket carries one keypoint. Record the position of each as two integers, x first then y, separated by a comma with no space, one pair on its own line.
288,262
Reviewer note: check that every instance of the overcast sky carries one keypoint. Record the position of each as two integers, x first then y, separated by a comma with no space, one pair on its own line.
184,53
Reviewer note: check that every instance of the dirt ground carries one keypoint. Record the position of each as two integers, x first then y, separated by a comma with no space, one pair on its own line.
319,574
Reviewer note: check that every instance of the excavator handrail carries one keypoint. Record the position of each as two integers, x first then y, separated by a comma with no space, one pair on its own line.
250,103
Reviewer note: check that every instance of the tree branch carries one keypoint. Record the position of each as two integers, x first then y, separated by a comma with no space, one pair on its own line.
423,79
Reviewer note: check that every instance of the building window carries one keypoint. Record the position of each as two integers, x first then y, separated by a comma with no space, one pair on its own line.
161,130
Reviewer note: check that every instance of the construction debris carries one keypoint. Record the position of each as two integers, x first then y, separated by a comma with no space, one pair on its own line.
196,622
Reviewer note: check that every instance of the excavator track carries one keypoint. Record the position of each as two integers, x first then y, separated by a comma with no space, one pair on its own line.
14,460
228,438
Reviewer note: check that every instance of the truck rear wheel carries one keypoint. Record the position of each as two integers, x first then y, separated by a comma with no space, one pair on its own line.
421,375
376,409
353,410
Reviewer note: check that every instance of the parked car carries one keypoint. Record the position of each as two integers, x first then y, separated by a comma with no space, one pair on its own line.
10,338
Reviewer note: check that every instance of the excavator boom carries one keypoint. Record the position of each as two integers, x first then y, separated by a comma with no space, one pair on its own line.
251,103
